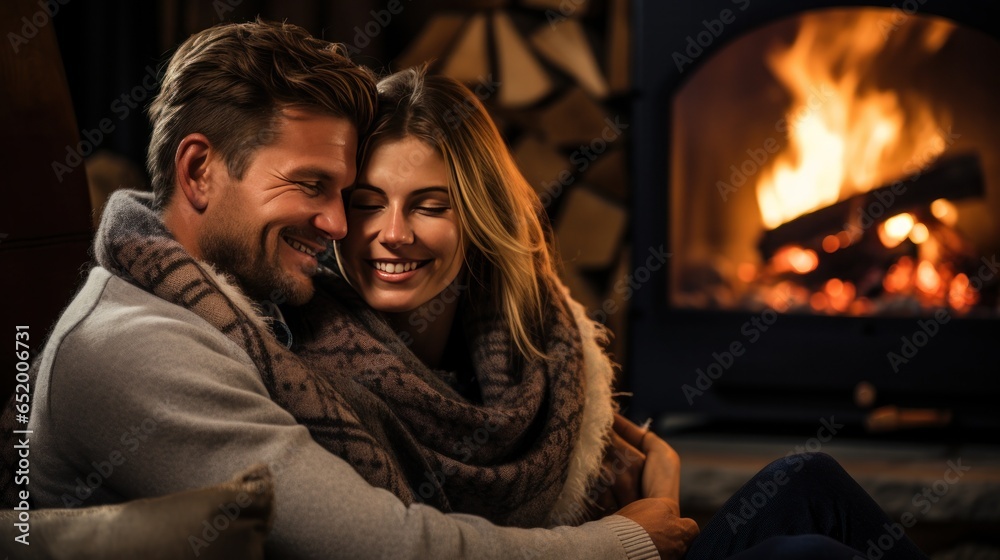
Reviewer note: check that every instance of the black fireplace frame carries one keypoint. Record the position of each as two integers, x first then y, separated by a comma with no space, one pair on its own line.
804,367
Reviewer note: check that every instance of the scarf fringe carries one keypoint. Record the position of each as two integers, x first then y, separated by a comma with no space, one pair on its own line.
598,416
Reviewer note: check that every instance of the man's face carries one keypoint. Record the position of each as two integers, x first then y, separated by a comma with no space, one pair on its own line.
268,228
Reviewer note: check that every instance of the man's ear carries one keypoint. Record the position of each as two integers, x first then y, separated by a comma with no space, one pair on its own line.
195,179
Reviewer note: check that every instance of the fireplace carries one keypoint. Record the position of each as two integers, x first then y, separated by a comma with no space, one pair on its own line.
827,182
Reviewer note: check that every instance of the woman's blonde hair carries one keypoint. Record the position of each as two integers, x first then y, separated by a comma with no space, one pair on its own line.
499,214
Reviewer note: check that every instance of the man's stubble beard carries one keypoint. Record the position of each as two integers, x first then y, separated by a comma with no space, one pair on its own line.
232,250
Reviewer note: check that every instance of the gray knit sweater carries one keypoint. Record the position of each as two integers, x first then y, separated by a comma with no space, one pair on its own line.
144,398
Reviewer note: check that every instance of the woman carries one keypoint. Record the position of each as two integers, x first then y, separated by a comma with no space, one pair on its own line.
445,244
496,374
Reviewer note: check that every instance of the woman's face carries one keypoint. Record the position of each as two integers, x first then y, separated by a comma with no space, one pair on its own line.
403,246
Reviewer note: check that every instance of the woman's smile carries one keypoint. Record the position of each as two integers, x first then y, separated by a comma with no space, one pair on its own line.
394,271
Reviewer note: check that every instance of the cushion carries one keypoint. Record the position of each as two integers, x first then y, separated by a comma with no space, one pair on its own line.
229,520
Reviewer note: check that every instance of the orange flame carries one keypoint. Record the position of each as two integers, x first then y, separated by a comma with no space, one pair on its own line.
846,135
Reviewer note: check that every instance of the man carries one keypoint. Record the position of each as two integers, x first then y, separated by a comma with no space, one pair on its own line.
164,359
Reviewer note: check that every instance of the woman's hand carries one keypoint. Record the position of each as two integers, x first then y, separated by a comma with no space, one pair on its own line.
661,472
661,481
638,464
620,482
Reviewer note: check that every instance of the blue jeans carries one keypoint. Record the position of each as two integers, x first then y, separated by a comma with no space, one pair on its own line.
802,506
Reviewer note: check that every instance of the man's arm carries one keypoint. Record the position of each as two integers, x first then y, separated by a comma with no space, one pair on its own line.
185,408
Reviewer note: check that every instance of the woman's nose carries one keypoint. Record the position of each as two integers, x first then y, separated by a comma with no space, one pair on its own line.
396,230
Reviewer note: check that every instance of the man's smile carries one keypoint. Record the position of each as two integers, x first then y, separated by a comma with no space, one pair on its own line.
303,247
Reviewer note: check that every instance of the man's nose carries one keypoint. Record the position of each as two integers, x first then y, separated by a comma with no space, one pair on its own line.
396,231
331,218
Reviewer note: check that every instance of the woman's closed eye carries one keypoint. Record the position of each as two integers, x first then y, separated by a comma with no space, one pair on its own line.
366,207
365,201
432,210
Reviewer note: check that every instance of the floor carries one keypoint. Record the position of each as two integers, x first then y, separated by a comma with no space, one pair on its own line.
952,492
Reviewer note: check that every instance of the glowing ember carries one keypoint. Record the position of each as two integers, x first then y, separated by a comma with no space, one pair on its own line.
961,295
894,230
818,301
795,259
831,243
840,294
861,306
928,279
919,234
898,279
944,211
804,261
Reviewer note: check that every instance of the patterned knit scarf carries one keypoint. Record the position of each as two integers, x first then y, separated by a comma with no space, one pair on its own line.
365,396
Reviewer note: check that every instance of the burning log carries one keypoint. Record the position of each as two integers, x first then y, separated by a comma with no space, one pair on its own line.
952,178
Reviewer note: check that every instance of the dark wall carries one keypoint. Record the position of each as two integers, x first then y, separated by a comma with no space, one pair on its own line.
109,47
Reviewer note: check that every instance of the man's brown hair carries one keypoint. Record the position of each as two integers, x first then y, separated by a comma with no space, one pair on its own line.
231,82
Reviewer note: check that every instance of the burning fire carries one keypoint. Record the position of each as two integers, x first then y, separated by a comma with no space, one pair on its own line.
845,134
